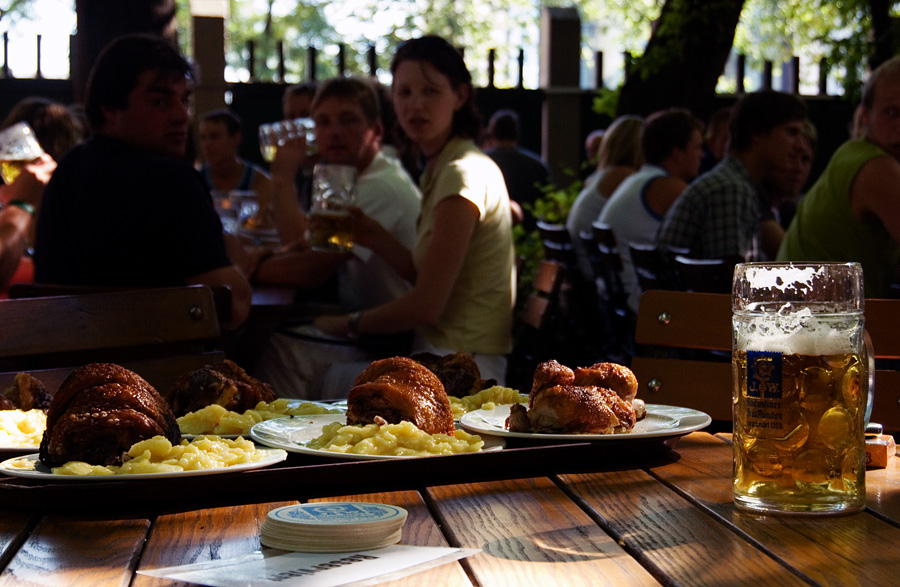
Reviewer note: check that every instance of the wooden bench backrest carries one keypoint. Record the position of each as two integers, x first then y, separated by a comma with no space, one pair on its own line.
160,333
688,320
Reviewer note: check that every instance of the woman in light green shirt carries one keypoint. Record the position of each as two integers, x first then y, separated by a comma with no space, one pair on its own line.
462,265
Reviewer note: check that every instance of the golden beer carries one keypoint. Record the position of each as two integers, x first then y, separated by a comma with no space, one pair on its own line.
10,170
18,147
802,388
798,430
330,231
268,152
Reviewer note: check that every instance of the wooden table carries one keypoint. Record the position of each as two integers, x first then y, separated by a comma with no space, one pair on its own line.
666,521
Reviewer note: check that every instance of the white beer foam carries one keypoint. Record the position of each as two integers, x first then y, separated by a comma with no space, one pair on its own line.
764,277
812,337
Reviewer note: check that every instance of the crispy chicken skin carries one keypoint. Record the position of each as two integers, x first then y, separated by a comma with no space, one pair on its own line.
592,400
225,384
548,374
618,378
397,389
99,411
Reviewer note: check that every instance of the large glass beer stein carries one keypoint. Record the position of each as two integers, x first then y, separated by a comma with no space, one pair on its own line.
330,227
18,147
801,387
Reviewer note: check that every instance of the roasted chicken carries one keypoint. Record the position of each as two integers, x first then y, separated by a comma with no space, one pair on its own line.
99,411
458,372
398,389
225,384
592,400
27,393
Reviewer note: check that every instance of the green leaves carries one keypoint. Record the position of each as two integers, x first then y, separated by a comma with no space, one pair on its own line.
556,202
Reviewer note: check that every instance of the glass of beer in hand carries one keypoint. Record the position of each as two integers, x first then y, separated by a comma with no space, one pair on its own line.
333,192
270,136
801,387
18,147
275,134
302,127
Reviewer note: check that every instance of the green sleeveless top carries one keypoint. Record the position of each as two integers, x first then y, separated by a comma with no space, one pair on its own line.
825,229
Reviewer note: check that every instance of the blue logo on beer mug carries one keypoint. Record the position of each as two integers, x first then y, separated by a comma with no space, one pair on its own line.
764,374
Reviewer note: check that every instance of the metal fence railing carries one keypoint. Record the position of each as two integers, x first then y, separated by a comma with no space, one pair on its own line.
315,61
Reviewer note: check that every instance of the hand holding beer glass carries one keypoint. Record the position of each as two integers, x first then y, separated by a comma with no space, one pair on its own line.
275,134
330,224
18,147
801,387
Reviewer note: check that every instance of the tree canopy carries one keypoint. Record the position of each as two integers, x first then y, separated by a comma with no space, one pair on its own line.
848,34
683,59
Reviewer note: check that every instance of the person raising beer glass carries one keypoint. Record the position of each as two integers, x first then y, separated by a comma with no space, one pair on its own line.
461,265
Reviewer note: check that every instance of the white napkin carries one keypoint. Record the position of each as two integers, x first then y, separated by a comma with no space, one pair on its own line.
299,569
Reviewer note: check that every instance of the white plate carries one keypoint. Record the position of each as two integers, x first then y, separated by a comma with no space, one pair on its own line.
661,421
291,404
18,448
223,436
29,468
338,405
293,434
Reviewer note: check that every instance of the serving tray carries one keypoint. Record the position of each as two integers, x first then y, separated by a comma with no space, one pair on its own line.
301,477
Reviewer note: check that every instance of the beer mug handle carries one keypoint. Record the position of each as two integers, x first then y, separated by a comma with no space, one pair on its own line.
870,363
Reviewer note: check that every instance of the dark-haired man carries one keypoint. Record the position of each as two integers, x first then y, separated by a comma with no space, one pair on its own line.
123,209
719,214
297,100
221,135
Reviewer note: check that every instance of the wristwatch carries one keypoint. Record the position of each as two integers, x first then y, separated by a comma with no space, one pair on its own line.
353,325
23,205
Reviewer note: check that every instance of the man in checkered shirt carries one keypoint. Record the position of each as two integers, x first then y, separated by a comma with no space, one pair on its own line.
718,215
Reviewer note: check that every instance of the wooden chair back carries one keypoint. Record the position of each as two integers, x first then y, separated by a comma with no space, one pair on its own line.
548,279
563,254
610,261
705,275
557,245
221,294
881,324
158,333
607,245
647,262
620,315
589,244
555,233
533,322
669,322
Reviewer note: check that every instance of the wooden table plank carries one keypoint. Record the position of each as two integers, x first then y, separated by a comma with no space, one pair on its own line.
420,529
202,535
531,533
882,485
78,551
14,527
832,550
672,536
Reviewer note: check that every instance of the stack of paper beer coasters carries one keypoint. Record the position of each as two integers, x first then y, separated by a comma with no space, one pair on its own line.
333,526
